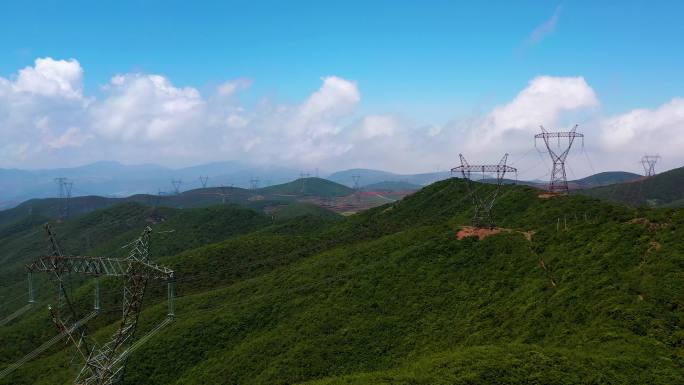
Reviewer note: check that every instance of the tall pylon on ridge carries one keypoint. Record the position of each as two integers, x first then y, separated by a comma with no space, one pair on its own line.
484,202
559,180
203,180
176,185
356,178
649,163
303,176
65,186
254,183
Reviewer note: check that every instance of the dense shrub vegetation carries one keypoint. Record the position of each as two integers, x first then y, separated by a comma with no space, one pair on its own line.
388,296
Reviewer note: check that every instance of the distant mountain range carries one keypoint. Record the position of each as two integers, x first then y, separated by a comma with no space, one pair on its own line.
116,180
311,190
113,179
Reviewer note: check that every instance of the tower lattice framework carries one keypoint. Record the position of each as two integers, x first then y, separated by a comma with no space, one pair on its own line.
484,202
565,139
106,364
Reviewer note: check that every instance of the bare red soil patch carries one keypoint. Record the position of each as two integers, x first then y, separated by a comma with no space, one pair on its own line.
548,195
482,233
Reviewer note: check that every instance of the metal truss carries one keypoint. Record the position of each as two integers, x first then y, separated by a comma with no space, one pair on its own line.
484,203
559,180
649,163
106,364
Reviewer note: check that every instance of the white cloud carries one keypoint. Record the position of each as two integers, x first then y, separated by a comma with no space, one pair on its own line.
49,77
231,87
543,101
647,130
72,137
45,120
378,125
546,28
141,107
337,98
37,105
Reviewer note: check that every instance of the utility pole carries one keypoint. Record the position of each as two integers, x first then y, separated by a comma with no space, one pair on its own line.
203,180
484,203
559,180
649,163
176,185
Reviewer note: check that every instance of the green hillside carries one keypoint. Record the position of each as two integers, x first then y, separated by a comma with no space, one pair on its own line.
308,186
392,186
390,296
665,189
605,178
42,210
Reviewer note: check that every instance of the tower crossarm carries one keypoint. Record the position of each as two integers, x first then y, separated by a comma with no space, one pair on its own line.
550,135
484,202
97,266
490,168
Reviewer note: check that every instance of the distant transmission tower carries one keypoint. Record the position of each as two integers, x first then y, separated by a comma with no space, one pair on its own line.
303,177
224,193
356,178
559,180
204,180
484,203
176,185
649,163
254,183
65,187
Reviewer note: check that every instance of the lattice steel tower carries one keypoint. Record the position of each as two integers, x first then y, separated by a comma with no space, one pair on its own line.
484,202
105,364
559,180
649,163
65,187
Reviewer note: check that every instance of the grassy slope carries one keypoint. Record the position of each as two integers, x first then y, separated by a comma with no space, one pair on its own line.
389,296
308,186
606,178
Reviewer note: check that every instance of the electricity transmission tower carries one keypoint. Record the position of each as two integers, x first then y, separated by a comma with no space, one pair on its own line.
106,364
254,183
176,185
356,178
484,202
203,180
303,177
649,163
65,187
224,193
559,181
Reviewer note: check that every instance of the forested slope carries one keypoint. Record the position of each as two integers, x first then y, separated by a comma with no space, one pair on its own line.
574,290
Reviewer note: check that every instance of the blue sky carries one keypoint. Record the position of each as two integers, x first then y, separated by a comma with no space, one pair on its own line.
425,63
422,58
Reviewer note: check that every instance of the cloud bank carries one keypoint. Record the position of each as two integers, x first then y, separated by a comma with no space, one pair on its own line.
46,120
